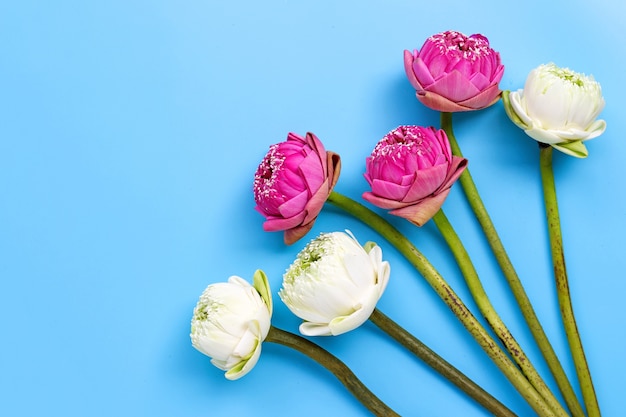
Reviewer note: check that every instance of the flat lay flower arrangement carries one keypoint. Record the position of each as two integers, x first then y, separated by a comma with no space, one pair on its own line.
336,280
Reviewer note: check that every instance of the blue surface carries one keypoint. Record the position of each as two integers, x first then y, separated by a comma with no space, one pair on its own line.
129,135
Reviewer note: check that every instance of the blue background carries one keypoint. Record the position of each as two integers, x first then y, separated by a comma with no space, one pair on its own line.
129,135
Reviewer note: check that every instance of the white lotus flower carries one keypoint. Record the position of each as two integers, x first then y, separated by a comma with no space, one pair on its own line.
558,107
334,284
230,322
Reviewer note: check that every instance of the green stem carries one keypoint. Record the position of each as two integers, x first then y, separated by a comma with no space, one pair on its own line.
562,285
452,300
489,312
513,280
439,364
334,365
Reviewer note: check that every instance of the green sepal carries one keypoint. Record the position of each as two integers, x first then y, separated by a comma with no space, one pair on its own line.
368,246
575,148
510,112
262,285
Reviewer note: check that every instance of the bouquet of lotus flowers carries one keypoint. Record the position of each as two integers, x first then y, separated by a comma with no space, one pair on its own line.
335,282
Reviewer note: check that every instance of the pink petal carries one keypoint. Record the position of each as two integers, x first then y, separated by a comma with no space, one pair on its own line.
437,67
294,234
289,183
497,76
294,205
423,211
408,68
318,148
389,190
312,171
407,179
454,86
484,99
463,66
382,202
422,72
444,143
315,203
294,137
457,166
275,224
440,103
391,170
427,181
480,81
333,162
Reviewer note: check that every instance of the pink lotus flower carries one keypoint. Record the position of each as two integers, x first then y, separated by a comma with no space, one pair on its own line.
454,72
292,184
411,171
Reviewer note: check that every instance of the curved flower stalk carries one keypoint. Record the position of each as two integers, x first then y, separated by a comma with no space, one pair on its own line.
339,369
558,107
451,299
513,280
436,362
454,72
232,319
562,284
292,183
411,171
230,322
334,285
488,310
418,162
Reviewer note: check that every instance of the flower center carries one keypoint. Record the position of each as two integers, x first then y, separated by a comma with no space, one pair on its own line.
402,141
266,175
456,44
208,308
567,75
313,252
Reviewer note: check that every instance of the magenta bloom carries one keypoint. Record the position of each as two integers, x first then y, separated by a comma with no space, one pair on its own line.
292,184
453,72
411,171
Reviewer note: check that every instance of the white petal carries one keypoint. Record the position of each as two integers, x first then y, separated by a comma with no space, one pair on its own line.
584,109
596,129
315,329
344,324
384,272
248,341
518,105
359,270
549,108
544,136
237,372
217,345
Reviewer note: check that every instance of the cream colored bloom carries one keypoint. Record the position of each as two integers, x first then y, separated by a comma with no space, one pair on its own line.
334,284
230,322
558,107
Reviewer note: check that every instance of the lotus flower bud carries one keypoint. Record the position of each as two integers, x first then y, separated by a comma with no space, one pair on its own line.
292,184
410,172
558,107
230,322
453,72
334,284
